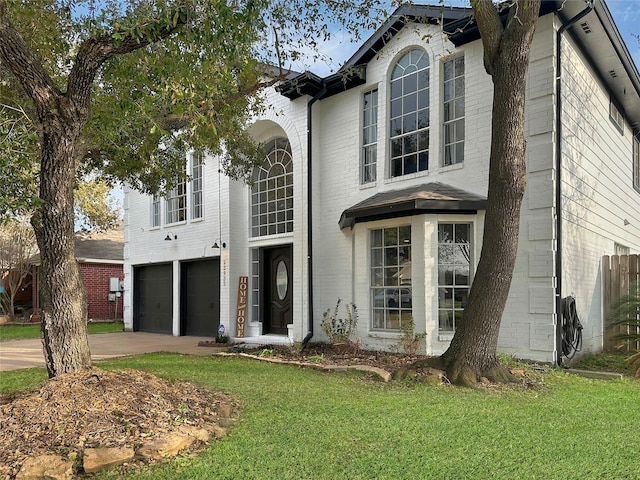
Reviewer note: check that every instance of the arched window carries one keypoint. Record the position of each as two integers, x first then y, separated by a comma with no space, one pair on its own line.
410,114
272,193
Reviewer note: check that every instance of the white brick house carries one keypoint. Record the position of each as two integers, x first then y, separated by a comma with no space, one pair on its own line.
375,187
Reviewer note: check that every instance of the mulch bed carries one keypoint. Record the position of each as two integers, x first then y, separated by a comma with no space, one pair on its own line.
98,408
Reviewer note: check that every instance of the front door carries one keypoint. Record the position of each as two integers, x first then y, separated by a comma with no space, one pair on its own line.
278,286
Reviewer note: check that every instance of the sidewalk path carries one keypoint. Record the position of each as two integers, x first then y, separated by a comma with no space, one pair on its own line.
15,354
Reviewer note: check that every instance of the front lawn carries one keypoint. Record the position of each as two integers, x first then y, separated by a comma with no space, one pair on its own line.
303,424
32,330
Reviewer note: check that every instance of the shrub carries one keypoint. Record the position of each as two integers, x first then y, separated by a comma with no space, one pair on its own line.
625,317
339,330
410,340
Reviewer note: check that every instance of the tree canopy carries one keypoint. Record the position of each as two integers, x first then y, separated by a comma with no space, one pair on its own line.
189,80
125,89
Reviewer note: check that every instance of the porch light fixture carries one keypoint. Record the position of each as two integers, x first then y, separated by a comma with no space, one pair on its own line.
170,236
217,244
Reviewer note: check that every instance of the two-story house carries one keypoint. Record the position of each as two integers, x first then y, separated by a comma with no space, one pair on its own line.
374,190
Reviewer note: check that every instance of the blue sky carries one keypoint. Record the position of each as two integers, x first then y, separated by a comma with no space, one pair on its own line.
626,14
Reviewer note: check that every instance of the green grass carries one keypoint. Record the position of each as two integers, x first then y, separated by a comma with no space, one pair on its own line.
608,362
303,424
32,330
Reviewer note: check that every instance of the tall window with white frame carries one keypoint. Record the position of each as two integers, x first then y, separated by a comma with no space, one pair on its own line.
272,193
155,211
390,271
409,115
636,162
453,115
197,162
369,137
454,273
176,203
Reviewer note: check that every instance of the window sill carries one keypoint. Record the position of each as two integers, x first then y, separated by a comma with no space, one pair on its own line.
382,335
365,186
407,177
455,166
174,224
275,236
445,337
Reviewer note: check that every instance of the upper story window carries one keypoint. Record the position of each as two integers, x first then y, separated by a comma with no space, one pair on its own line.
369,137
176,203
410,114
453,115
272,192
391,293
616,117
155,211
636,163
197,162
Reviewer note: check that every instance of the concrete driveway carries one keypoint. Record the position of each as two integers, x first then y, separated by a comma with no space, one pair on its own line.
15,354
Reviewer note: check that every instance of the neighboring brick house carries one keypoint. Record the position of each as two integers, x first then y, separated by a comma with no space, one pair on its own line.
374,191
100,259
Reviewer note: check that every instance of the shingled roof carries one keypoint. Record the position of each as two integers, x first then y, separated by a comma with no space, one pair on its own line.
100,246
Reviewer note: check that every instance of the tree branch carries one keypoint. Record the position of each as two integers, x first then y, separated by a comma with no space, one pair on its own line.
491,29
25,66
95,51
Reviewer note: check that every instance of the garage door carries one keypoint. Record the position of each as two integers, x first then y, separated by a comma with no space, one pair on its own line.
200,298
153,301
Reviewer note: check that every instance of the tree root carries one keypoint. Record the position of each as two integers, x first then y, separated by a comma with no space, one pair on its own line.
464,375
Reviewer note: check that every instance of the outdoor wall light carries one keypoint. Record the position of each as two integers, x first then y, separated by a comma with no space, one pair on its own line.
170,236
217,244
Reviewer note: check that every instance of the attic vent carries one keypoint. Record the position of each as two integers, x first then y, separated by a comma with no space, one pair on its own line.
585,27
613,74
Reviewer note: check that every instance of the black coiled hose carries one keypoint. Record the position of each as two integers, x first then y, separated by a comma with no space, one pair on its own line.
571,328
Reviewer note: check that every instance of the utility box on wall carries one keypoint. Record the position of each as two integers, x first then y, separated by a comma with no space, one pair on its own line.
115,284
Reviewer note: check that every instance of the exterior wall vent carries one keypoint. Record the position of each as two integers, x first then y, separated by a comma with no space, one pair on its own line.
613,74
585,27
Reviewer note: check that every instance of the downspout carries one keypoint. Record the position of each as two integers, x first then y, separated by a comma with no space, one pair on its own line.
316,97
558,93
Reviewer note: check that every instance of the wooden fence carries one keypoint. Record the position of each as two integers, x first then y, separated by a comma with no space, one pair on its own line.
620,273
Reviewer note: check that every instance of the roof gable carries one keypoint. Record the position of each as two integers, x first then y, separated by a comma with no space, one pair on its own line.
600,41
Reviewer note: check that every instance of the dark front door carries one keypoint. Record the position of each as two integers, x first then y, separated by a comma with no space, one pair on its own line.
153,299
200,299
278,286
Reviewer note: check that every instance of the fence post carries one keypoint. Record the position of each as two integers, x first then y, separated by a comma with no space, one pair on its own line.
606,302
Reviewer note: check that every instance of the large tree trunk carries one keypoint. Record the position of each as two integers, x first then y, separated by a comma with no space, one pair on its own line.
62,117
472,353
64,306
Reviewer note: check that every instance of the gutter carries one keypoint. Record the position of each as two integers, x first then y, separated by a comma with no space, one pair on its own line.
558,288
315,98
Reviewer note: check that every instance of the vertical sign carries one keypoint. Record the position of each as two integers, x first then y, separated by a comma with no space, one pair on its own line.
241,316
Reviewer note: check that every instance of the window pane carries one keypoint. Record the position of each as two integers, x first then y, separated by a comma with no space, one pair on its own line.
462,275
445,233
409,122
462,232
396,108
423,161
410,144
410,83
